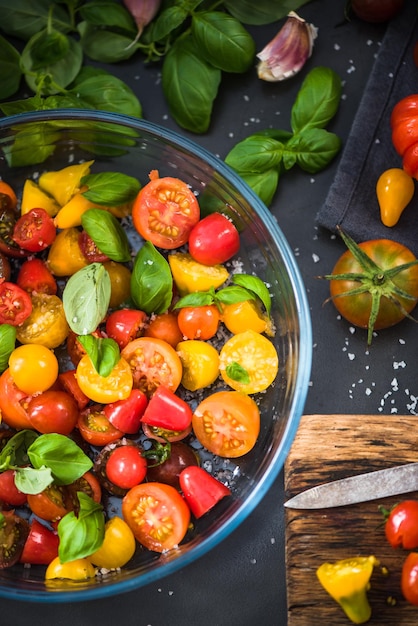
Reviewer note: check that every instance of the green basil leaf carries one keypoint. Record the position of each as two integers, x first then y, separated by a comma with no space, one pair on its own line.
110,188
60,73
255,285
103,352
62,455
223,41
190,85
108,14
198,298
24,18
107,233
255,154
105,92
86,298
233,294
83,534
50,47
33,481
151,280
236,372
312,150
168,20
317,100
7,344
264,184
103,45
262,11
15,452
10,72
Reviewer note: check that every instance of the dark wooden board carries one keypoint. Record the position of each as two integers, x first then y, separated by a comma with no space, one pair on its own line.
329,447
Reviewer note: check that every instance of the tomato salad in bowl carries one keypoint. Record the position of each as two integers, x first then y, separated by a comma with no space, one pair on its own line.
139,348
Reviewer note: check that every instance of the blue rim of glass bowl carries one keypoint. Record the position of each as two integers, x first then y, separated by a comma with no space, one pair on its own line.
302,377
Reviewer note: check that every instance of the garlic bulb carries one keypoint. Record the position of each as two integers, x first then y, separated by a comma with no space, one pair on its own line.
288,52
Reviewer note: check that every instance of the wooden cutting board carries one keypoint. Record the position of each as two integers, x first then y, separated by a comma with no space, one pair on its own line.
328,447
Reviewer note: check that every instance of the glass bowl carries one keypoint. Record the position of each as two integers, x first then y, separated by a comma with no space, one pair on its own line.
34,142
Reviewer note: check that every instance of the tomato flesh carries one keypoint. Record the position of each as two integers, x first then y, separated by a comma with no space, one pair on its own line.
34,231
15,304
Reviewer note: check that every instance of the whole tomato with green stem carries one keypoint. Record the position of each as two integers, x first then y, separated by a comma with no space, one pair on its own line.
374,284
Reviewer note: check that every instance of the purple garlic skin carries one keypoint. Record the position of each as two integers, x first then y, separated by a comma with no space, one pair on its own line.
143,12
288,52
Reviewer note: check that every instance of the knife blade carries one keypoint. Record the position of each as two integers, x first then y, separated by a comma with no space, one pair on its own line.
361,488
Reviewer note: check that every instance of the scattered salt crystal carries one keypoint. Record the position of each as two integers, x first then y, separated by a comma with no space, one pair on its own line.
351,356
315,258
337,46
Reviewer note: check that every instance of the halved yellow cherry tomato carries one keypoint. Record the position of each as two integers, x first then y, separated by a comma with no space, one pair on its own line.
65,257
33,197
118,545
104,389
246,315
227,423
120,283
63,184
47,324
249,362
34,368
79,569
191,276
200,362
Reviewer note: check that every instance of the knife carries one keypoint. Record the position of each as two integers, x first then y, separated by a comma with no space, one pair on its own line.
360,488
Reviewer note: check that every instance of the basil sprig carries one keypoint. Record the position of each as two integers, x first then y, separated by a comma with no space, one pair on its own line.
39,460
107,233
86,298
151,280
7,344
81,533
103,351
263,157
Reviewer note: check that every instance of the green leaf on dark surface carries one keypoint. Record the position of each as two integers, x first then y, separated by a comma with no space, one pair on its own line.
104,45
105,14
25,18
317,101
264,184
255,154
10,72
312,150
105,92
262,11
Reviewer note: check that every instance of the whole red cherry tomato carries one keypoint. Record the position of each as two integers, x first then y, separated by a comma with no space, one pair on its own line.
376,10
401,527
409,578
9,493
126,467
34,231
214,240
165,211
41,546
34,276
125,325
53,411
15,304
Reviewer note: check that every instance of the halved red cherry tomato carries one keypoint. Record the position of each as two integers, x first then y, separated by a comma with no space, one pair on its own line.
53,411
157,515
125,325
153,362
125,415
41,546
201,490
51,504
199,322
168,411
214,240
401,527
13,533
89,249
95,428
15,304
69,382
126,466
9,493
34,276
13,403
163,435
227,423
165,326
165,211
88,484
409,578
35,230
8,218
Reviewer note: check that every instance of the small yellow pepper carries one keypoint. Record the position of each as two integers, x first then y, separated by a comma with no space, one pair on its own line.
70,214
33,197
394,190
347,582
65,257
63,184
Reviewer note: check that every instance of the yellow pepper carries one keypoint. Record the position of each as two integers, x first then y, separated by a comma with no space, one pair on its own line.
80,569
70,214
65,257
63,184
394,190
347,582
33,197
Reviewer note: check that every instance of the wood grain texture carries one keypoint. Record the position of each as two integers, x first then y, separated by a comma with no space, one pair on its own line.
329,447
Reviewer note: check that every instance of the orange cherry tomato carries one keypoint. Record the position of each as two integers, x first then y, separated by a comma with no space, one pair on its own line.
157,515
199,322
153,362
13,403
165,327
227,423
8,199
165,211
